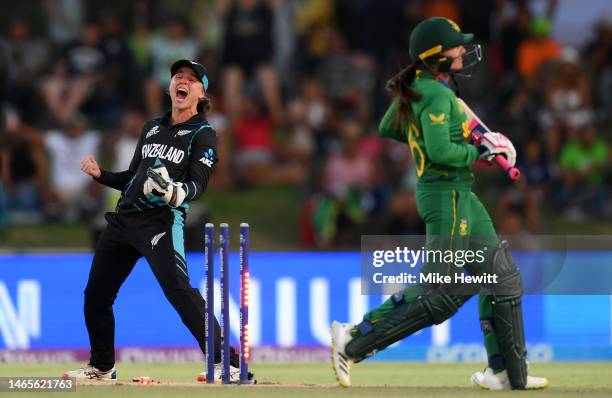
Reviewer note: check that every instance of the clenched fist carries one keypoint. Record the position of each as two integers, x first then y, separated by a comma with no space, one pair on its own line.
90,166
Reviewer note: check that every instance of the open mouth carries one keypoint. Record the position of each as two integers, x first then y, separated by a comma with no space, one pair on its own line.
181,93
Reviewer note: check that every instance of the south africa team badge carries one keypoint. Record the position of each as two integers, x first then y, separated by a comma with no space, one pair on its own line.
463,227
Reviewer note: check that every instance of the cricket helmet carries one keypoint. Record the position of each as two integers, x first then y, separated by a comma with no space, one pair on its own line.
431,37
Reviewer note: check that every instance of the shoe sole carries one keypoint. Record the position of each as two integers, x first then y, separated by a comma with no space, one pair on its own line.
113,377
538,387
77,379
484,387
333,358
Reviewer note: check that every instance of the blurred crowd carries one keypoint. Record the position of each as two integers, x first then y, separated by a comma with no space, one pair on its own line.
298,88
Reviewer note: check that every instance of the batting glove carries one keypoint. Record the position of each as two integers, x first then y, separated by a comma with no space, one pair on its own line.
493,144
158,183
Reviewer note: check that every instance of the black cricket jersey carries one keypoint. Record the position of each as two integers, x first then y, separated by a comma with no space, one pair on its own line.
188,151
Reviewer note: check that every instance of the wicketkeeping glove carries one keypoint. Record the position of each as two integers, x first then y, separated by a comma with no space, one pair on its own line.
492,144
158,183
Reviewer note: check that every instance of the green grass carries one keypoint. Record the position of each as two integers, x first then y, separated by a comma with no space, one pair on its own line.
46,235
272,213
386,379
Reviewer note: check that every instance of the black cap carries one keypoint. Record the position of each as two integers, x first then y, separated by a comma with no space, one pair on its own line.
197,68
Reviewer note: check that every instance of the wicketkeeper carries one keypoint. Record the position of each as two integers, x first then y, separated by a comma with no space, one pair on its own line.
425,114
173,162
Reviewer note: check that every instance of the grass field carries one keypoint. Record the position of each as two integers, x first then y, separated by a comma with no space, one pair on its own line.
398,379
273,213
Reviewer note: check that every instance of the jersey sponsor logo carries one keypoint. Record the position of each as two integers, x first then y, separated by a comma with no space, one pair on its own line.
163,151
154,130
208,158
437,119
463,227
156,239
182,132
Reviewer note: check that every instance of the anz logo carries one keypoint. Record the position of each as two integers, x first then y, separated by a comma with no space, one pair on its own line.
20,320
209,157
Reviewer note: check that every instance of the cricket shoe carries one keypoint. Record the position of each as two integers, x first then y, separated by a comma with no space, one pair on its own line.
488,380
90,373
234,374
341,336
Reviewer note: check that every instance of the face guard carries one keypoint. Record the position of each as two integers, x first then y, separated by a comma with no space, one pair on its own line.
471,59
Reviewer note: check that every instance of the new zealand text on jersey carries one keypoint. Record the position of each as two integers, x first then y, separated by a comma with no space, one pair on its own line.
163,152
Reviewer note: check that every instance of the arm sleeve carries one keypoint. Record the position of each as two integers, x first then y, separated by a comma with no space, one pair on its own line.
387,128
119,180
436,133
203,159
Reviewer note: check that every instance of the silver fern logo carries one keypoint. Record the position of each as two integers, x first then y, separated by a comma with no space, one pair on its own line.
156,239
154,130
182,132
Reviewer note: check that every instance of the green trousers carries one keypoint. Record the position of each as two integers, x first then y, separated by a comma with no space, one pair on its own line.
455,219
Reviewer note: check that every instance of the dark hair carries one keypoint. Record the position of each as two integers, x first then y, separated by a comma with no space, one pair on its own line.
400,86
204,104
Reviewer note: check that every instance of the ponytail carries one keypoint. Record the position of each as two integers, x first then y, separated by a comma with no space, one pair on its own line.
400,86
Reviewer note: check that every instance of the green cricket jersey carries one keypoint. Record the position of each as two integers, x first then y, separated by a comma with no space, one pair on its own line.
436,134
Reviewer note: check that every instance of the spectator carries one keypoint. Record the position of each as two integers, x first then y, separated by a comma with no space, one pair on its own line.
313,20
223,172
6,71
307,114
4,216
30,58
64,19
5,68
172,43
24,170
523,200
510,29
248,52
75,75
347,77
513,224
348,179
598,52
538,49
120,145
598,55
518,209
70,196
256,156
316,105
30,55
122,84
567,101
254,148
534,167
56,87
443,8
85,57
583,161
535,55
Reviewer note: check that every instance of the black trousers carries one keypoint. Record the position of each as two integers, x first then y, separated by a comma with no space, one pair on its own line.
158,236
